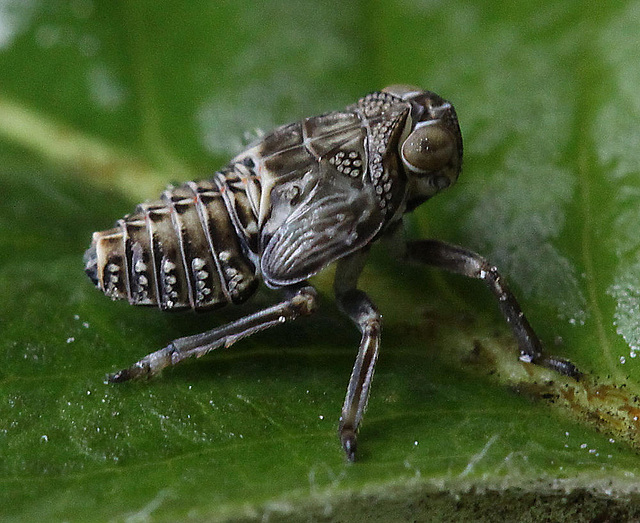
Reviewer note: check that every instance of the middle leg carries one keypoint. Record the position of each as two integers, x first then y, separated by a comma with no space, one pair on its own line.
359,307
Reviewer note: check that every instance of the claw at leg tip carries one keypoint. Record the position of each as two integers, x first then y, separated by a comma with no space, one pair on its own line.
349,445
118,377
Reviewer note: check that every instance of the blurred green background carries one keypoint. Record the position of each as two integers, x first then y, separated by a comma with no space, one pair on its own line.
104,103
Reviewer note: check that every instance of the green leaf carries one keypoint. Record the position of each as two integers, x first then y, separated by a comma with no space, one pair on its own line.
102,104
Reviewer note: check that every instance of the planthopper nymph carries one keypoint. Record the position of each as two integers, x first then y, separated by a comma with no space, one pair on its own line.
307,194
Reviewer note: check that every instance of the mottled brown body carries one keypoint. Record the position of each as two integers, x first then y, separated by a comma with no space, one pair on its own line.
184,251
305,195
308,194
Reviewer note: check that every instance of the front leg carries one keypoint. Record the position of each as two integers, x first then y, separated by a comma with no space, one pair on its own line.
467,263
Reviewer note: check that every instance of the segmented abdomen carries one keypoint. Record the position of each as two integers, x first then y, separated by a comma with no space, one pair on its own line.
189,250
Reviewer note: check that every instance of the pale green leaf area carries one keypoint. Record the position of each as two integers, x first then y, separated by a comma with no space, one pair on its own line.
103,103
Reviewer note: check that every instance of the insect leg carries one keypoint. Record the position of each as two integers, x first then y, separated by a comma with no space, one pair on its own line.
467,263
300,301
357,305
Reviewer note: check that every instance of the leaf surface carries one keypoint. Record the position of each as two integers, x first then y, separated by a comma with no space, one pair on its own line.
102,104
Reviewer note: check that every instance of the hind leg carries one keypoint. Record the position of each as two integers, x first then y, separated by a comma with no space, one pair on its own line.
300,301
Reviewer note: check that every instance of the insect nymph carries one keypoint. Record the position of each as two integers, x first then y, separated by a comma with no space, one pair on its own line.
307,194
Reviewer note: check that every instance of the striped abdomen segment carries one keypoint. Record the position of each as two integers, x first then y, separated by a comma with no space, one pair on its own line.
183,251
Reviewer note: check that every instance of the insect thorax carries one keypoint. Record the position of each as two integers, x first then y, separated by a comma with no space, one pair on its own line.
304,196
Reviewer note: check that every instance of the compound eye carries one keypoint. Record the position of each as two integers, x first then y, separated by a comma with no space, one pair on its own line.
428,148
